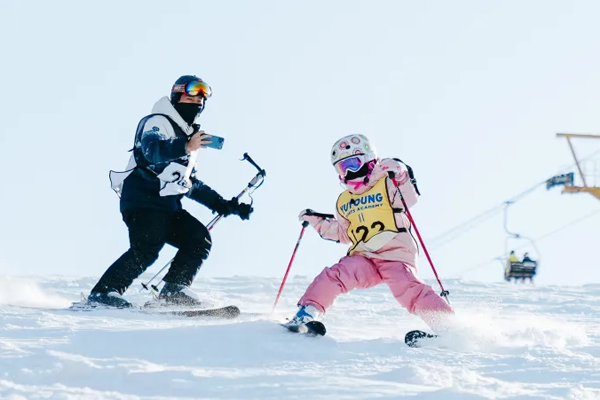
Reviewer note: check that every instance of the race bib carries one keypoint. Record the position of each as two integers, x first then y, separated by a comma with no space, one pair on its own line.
370,214
174,180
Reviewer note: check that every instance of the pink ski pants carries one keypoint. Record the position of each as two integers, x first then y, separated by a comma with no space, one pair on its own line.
358,272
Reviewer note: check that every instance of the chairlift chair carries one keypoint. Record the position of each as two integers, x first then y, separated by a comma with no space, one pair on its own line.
518,270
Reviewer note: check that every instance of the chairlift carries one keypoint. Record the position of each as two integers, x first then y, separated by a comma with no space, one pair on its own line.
569,187
514,268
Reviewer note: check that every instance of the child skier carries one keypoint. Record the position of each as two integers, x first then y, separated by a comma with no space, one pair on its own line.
370,215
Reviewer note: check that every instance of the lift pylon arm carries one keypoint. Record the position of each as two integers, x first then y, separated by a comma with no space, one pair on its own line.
578,135
594,191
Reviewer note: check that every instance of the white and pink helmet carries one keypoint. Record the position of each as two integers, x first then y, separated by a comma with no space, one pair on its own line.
351,152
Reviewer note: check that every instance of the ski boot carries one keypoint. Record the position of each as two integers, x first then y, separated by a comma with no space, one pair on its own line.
305,321
178,295
416,338
109,299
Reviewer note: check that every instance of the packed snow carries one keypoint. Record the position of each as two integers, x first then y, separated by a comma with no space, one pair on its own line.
513,342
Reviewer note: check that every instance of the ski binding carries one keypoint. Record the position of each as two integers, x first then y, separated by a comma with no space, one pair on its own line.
312,328
416,338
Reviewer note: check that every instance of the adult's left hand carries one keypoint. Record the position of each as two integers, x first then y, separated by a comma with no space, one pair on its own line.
243,210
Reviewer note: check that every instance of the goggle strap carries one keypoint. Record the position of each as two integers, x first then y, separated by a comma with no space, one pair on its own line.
178,88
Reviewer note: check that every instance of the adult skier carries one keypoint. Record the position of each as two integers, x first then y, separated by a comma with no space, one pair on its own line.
370,216
160,172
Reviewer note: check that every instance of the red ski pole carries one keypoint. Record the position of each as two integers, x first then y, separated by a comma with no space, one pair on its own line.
304,225
444,293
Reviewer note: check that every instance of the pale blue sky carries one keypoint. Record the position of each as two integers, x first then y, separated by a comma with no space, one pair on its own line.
470,93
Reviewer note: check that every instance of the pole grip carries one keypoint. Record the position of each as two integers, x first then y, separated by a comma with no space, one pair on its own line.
251,161
320,215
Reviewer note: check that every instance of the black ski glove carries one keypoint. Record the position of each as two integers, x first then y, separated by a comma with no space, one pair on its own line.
243,210
233,206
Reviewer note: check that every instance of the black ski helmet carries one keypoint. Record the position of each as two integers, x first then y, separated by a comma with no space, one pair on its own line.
182,80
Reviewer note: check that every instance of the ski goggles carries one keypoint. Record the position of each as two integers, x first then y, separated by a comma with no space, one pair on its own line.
193,88
353,164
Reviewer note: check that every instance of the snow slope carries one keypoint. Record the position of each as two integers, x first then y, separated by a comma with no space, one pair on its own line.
526,342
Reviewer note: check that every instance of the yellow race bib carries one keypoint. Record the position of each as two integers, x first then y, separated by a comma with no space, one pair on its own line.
369,213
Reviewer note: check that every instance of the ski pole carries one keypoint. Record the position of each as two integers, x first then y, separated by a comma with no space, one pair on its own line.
260,175
444,293
255,183
287,271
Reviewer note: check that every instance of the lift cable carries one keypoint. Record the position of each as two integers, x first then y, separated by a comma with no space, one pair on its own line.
460,229
538,239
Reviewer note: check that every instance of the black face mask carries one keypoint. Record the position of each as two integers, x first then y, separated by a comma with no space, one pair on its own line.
363,171
188,111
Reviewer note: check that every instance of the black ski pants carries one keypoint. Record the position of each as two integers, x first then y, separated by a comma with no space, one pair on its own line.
149,230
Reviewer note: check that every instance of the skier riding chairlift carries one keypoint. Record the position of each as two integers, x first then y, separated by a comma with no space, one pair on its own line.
524,269
518,269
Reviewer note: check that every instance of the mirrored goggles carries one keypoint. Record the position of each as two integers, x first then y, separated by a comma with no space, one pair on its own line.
353,164
194,88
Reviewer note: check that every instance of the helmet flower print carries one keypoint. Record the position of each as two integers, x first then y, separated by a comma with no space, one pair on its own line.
351,152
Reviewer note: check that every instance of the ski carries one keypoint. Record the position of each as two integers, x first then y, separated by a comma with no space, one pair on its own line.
417,338
228,312
312,328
